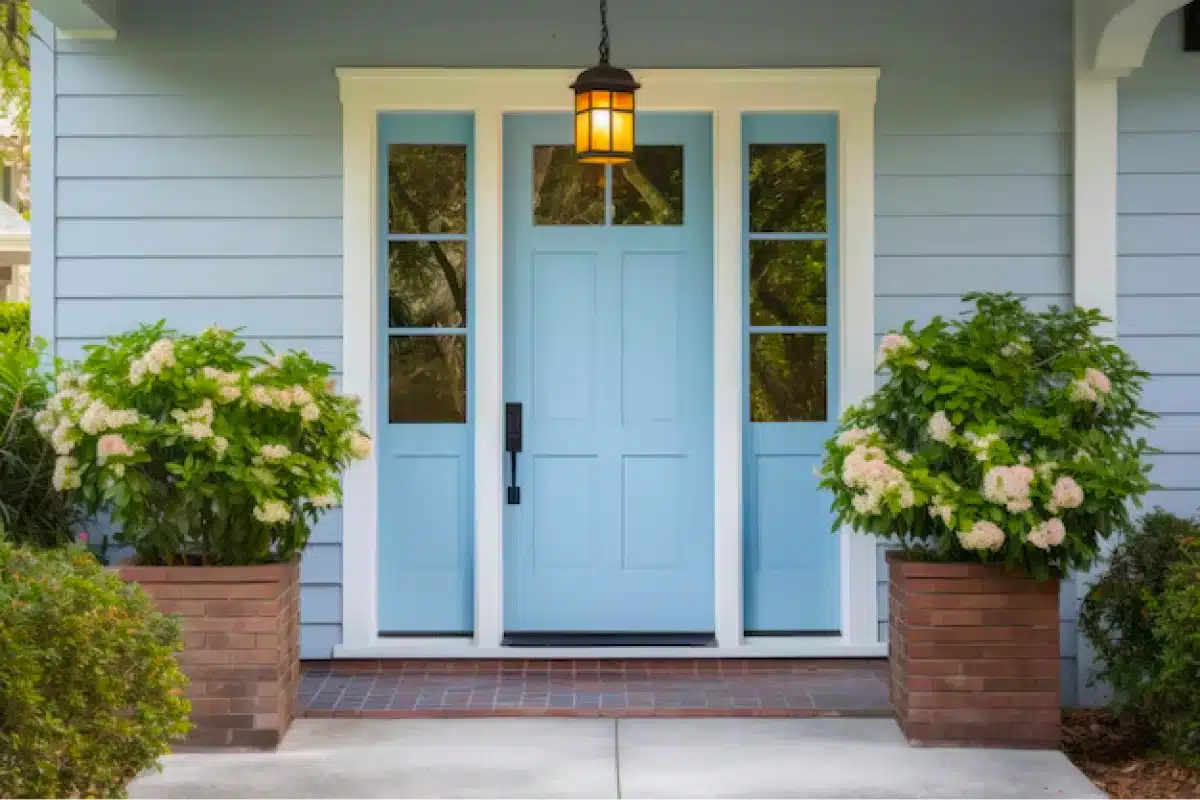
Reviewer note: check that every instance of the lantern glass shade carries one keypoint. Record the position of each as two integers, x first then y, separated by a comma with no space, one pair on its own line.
604,125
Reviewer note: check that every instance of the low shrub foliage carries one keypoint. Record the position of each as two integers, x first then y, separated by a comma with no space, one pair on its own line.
90,692
1142,617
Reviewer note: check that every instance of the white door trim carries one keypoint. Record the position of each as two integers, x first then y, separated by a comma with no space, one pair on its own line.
727,94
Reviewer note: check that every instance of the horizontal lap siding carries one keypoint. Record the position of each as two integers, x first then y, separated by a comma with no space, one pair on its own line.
205,189
1158,312
199,155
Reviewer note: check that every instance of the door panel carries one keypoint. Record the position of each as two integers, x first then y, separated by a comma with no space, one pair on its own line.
608,346
791,557
425,549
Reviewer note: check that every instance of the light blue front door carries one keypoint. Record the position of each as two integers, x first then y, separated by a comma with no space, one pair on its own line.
608,348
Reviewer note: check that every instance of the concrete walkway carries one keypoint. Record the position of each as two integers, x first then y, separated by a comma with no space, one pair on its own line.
532,758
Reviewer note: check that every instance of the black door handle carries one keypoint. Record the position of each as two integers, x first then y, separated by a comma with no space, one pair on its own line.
513,436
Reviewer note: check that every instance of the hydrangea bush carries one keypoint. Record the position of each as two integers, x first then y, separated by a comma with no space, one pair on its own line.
200,453
1008,436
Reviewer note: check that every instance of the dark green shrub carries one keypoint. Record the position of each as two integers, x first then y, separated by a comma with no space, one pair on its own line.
32,511
1136,618
1175,696
90,692
14,318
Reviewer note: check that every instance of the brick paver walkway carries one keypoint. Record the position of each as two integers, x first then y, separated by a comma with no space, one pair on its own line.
610,688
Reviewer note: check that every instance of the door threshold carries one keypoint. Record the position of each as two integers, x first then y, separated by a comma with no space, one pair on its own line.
576,639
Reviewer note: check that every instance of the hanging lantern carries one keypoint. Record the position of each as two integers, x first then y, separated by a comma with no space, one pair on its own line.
604,108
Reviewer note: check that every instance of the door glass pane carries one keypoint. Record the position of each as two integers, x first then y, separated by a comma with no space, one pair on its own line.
787,188
427,188
787,283
566,192
427,284
788,377
427,379
649,190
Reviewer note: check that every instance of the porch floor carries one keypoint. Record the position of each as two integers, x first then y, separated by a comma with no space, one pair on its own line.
594,688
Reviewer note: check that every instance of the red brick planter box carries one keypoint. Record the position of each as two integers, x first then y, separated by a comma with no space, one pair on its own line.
973,654
241,629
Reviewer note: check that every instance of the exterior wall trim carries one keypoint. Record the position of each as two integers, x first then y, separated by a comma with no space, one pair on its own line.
43,182
727,94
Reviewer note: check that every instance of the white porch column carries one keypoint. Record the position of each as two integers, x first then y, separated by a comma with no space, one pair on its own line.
727,373
488,403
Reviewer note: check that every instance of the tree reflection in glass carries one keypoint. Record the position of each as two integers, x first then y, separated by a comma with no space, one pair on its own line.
787,188
427,188
566,192
787,283
427,284
787,377
427,379
649,189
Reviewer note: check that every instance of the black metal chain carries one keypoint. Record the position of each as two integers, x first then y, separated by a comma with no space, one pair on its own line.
603,31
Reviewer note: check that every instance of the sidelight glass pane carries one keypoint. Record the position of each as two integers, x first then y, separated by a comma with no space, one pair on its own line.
787,283
427,188
787,188
427,284
649,191
566,192
788,377
427,379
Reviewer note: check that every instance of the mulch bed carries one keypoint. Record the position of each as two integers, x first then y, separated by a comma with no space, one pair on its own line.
1117,760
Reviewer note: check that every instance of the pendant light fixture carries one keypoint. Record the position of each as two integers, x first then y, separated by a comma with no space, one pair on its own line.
604,107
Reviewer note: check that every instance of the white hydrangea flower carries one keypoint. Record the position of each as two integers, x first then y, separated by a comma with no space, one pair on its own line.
229,393
310,412
1009,487
110,445
66,475
95,418
66,380
272,512
894,344
197,430
220,445
922,364
301,396
360,446
137,372
115,420
1098,381
1083,392
904,456
854,436
983,535
274,452
261,396
1048,534
1067,493
45,421
322,500
62,437
942,510
940,427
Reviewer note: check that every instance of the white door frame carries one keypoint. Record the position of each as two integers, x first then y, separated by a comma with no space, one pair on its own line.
489,94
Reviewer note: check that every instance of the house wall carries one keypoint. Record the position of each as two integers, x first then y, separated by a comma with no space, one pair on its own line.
198,156
1158,278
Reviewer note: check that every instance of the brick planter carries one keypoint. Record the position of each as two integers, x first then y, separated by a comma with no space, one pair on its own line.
241,628
973,654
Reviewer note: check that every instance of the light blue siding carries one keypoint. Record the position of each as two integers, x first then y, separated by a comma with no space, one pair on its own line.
225,98
1158,312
